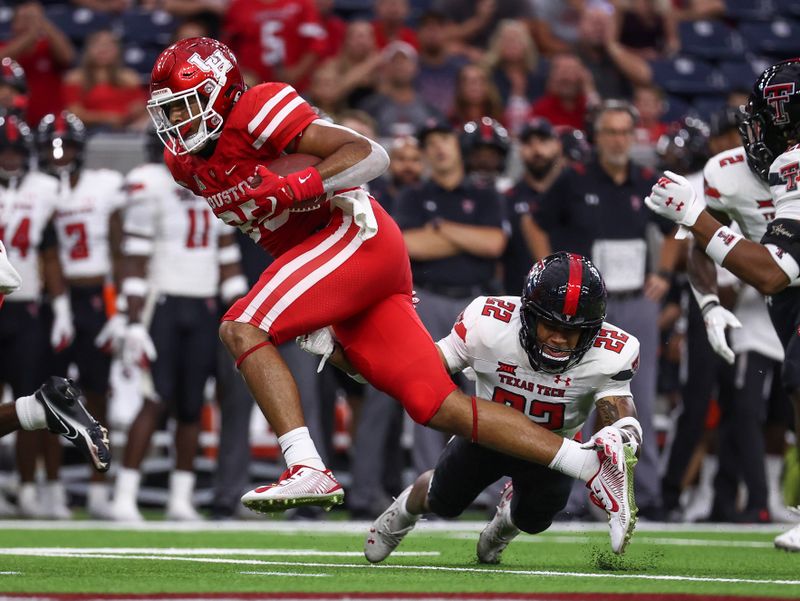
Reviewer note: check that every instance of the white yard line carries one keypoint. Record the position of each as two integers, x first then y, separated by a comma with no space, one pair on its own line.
681,542
365,566
174,552
302,574
10,573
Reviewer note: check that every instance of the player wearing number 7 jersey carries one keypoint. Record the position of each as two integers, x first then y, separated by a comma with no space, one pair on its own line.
340,261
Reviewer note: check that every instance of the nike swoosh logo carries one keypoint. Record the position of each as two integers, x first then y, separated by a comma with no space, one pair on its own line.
602,488
229,171
303,180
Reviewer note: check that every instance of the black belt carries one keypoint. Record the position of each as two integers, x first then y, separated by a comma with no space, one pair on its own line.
455,291
626,294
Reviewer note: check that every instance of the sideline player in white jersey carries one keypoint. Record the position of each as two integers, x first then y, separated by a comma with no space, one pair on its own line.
551,356
27,202
771,133
88,224
178,259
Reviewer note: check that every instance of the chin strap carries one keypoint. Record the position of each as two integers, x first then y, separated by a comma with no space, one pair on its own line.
250,351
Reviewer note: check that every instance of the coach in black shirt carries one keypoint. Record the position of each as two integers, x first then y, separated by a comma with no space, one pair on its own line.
598,210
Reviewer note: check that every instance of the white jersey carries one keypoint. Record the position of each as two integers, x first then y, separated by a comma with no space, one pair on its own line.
183,228
25,212
82,222
732,188
784,183
485,338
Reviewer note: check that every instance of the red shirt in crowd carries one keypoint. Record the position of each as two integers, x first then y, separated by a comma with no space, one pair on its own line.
551,108
44,78
104,97
335,30
267,34
406,34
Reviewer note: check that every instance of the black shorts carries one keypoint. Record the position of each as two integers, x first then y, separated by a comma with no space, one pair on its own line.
464,469
23,361
89,317
184,331
784,310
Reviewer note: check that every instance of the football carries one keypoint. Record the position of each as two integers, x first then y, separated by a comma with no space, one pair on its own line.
292,163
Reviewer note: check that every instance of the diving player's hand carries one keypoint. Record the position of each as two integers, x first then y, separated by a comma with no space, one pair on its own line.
610,441
271,192
674,197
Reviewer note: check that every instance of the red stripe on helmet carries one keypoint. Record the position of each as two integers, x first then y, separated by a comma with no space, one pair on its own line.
573,285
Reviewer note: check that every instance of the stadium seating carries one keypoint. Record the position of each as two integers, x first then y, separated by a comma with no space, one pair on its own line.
147,28
779,38
710,40
751,10
78,23
688,76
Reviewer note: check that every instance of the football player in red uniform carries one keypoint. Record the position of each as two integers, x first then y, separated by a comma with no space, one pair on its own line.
340,261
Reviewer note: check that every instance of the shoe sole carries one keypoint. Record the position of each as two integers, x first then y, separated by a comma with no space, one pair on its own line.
630,463
276,504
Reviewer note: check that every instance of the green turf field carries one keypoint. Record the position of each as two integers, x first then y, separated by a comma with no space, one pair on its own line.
437,557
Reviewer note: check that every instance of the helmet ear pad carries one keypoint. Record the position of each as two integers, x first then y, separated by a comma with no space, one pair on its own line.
566,290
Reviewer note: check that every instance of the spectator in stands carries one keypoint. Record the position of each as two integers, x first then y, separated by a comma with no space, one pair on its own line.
649,103
193,27
475,20
695,10
390,23
357,64
723,129
102,92
648,27
13,87
542,158
513,62
335,29
438,64
476,97
405,172
214,9
614,68
360,122
279,40
397,107
570,92
555,24
323,91
44,52
111,6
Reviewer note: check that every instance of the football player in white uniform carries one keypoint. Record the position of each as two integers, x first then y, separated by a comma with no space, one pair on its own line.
770,132
551,356
178,259
88,224
27,202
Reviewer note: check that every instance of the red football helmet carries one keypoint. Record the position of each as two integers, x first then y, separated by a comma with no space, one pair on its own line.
202,75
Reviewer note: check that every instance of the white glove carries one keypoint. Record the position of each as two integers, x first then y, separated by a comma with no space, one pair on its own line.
674,197
318,343
110,337
63,330
717,318
137,346
9,278
611,441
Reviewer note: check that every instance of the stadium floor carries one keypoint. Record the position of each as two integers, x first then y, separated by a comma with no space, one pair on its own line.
323,561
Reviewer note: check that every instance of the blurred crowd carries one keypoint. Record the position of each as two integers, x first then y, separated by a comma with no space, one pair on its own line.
515,128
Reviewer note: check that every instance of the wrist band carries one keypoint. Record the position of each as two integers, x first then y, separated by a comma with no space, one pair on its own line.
305,184
721,243
134,287
785,261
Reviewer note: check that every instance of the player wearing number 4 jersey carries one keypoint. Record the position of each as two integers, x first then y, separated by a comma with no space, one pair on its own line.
552,367
340,262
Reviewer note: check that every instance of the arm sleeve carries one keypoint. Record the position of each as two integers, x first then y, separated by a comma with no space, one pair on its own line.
456,346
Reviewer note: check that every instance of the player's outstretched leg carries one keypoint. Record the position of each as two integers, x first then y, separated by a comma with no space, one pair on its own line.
500,531
393,524
64,414
611,489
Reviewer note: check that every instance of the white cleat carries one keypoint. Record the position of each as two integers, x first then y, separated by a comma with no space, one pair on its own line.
54,502
500,531
125,512
28,504
180,512
612,489
299,485
389,529
789,541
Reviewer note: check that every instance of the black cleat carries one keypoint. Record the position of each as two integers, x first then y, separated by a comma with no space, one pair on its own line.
67,416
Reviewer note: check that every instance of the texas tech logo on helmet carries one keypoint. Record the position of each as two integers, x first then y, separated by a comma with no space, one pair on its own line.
777,95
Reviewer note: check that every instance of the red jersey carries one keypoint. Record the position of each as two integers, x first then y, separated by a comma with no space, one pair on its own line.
268,34
262,123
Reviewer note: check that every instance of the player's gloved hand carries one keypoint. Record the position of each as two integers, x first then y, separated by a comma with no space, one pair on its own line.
674,197
63,330
271,192
611,440
319,343
10,280
110,337
137,346
717,318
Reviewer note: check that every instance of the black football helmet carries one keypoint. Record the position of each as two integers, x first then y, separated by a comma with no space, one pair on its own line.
772,116
576,147
54,134
486,132
684,146
15,135
568,290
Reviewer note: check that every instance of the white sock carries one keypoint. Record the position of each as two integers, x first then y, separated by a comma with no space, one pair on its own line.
97,495
299,449
30,413
181,488
126,489
574,461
